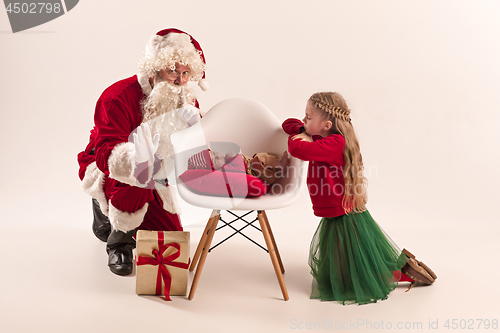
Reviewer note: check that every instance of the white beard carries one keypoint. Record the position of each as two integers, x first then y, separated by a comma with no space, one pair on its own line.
159,113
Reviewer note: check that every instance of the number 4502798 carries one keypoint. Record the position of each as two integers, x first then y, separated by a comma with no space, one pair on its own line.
33,8
471,324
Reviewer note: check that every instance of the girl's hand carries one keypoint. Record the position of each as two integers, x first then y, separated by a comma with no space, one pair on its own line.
303,137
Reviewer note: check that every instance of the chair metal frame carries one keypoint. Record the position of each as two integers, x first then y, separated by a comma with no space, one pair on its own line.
203,248
240,230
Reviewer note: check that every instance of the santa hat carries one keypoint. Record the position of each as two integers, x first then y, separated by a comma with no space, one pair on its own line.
168,47
201,160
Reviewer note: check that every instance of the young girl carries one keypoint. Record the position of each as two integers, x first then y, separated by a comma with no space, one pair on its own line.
352,260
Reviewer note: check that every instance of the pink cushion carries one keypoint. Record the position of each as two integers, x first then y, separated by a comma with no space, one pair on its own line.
218,183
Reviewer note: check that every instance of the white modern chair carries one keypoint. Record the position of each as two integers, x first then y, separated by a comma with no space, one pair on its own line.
254,128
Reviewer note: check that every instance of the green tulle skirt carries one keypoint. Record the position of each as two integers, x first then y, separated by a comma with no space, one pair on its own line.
353,261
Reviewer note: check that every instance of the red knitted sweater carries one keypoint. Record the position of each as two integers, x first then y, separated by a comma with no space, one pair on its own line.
325,178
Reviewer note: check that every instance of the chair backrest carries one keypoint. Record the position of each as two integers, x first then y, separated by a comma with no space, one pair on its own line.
233,123
247,123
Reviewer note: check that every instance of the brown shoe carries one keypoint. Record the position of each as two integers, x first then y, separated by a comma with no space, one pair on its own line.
418,271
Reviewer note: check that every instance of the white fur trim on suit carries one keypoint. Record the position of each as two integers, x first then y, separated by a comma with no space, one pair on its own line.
123,221
93,183
203,83
122,167
121,163
144,83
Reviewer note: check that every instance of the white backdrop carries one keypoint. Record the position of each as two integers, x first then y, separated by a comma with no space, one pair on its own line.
422,79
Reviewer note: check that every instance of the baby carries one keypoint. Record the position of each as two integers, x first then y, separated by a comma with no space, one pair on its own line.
266,166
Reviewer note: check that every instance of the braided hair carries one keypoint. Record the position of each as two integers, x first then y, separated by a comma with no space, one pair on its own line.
334,108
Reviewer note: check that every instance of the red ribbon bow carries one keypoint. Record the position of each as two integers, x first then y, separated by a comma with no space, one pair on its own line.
161,262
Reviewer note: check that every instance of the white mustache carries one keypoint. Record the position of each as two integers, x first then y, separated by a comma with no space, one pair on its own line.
165,97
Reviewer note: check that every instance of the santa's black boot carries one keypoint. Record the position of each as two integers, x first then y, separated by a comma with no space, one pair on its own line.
101,226
119,247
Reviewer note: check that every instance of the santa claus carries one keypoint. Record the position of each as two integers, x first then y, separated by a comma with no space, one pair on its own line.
125,164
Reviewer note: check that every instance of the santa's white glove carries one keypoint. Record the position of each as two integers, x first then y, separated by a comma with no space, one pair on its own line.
145,145
188,112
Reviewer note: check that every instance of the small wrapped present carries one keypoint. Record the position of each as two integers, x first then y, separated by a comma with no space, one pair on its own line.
162,263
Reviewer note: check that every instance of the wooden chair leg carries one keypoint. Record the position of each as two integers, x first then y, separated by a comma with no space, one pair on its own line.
213,225
264,215
272,253
201,244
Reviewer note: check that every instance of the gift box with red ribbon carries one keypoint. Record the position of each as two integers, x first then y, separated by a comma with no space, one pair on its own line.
162,263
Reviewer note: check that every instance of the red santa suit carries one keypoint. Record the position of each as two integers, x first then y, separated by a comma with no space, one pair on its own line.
124,167
108,170
137,195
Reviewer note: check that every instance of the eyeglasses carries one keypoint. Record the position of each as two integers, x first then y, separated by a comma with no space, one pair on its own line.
173,75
